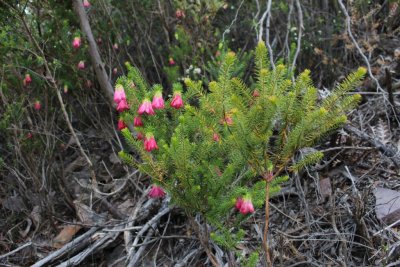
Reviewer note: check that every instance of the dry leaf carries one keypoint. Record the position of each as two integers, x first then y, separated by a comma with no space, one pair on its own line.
65,235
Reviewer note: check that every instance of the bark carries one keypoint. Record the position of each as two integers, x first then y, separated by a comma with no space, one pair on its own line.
101,73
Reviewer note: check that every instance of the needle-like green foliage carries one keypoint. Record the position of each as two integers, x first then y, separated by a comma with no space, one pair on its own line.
228,138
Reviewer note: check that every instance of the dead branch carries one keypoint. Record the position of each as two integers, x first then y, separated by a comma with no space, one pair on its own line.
94,52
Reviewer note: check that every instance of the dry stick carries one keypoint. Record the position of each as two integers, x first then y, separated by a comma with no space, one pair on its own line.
301,26
77,243
94,52
266,226
267,14
228,29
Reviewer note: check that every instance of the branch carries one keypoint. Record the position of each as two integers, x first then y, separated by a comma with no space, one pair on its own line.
94,52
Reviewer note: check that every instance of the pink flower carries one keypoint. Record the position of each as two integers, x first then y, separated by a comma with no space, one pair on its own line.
158,101
228,120
256,93
238,203
146,107
177,101
121,125
76,43
150,143
86,3
65,89
115,47
139,136
171,61
27,80
216,137
156,192
179,13
119,94
81,65
245,206
37,105
137,122
29,135
122,106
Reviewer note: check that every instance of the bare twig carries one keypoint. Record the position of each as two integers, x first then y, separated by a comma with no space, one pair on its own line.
300,33
67,249
266,15
15,250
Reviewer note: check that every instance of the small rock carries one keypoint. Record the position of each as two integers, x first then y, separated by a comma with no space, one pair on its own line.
387,206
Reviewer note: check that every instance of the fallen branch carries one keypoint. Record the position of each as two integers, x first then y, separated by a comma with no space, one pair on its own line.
69,248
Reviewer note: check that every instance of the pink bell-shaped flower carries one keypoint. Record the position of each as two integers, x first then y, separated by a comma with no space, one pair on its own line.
238,203
119,94
150,143
156,192
122,106
76,43
158,101
139,136
216,137
244,206
227,120
37,105
81,65
179,14
171,61
121,125
146,107
86,3
27,80
177,101
137,122
256,93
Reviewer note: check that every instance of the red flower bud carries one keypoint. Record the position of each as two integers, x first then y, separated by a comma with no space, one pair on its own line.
76,43
121,125
37,105
86,3
156,192
177,101
256,93
137,122
150,143
81,65
179,13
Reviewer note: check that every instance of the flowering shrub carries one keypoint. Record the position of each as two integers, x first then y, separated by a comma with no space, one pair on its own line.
221,151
